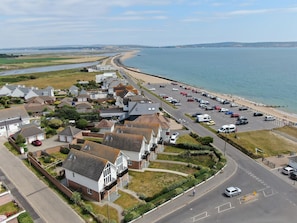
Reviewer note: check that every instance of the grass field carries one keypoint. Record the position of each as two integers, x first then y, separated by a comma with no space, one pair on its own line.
270,142
174,167
57,79
44,60
141,182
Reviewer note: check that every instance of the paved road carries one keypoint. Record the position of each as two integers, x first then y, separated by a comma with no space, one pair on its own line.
47,206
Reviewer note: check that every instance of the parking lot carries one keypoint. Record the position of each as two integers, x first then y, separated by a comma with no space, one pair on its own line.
186,100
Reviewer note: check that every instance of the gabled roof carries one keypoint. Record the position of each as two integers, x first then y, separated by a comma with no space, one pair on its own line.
154,118
28,130
154,126
13,112
70,131
106,152
124,141
104,123
81,105
146,132
34,107
85,164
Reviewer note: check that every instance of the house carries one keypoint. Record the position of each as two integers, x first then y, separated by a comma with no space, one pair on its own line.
101,77
73,90
156,127
148,133
69,134
94,177
105,126
134,146
84,107
113,155
83,96
30,133
157,118
11,120
36,109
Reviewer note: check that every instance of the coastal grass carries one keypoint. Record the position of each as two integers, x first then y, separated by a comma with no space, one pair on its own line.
22,62
289,130
141,182
201,160
57,79
271,143
174,167
107,211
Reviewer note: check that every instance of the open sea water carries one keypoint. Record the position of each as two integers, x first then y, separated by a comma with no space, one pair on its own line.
262,75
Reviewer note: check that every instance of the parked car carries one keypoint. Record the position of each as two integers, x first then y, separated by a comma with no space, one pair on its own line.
287,170
232,191
241,122
190,100
174,135
223,110
211,122
235,115
233,105
243,108
269,118
293,175
258,114
209,108
195,114
216,107
228,112
36,142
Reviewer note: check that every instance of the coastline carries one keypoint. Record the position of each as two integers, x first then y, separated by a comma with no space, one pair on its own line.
136,74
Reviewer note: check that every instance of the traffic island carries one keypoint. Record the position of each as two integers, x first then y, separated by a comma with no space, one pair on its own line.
249,197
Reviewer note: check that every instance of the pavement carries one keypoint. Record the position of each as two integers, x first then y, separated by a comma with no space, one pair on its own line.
187,197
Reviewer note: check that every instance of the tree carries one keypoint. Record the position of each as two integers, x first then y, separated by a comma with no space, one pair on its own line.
67,112
81,123
55,123
76,197
20,140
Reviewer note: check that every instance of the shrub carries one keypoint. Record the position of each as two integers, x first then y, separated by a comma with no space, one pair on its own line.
25,218
64,150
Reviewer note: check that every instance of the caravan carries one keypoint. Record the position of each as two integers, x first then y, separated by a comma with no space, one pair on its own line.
203,118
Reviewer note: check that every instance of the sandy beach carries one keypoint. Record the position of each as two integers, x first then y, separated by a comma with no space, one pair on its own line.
138,76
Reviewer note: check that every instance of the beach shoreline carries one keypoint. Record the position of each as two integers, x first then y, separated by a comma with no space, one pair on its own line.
144,78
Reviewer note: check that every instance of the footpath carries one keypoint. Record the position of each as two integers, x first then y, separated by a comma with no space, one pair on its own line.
187,197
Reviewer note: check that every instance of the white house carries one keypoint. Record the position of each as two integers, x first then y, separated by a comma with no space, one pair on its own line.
89,174
12,119
101,77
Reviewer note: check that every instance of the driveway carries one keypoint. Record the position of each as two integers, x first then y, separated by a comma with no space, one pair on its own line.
46,143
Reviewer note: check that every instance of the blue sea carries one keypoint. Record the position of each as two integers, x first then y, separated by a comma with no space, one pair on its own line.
262,75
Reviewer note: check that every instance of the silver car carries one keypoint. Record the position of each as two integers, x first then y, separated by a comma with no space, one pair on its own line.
232,191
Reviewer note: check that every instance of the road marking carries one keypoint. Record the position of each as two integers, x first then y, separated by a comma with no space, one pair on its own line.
268,192
200,216
224,207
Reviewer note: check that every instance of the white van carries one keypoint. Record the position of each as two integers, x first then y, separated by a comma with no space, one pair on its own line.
269,118
287,170
203,118
227,129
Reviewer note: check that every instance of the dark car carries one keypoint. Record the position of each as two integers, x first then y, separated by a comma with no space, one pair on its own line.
243,108
293,175
241,122
36,142
258,114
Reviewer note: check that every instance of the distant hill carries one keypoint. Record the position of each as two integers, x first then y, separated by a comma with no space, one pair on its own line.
239,44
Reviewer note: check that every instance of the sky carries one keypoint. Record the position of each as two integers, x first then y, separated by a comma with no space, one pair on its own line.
37,23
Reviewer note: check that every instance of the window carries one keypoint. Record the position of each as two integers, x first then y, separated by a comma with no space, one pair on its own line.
89,191
129,162
107,174
73,175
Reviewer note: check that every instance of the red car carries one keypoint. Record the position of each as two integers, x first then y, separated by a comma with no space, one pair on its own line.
235,115
36,142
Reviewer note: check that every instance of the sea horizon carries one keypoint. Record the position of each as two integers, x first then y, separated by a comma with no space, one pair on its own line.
261,75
